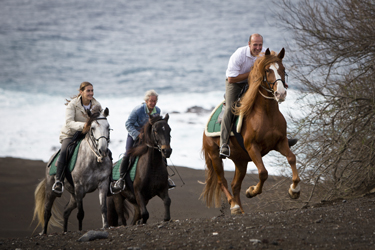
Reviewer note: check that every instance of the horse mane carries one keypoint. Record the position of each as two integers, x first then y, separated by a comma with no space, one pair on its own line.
94,113
145,136
255,79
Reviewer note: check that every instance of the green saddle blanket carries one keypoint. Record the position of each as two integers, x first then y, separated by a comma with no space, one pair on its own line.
213,125
116,169
71,164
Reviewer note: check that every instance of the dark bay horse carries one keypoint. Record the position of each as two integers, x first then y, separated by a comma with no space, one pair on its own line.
92,171
151,176
263,130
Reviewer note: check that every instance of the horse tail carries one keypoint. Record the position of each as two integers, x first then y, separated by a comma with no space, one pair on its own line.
39,209
212,191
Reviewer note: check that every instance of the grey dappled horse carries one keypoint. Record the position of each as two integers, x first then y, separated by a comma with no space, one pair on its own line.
92,171
151,177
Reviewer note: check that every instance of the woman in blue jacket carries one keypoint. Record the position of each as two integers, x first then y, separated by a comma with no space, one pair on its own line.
137,119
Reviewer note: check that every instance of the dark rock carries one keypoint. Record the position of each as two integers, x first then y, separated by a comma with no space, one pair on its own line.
93,235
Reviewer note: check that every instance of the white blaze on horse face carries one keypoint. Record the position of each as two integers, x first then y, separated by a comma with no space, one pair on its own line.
101,133
280,93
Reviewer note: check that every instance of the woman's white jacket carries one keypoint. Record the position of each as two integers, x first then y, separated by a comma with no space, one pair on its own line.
75,118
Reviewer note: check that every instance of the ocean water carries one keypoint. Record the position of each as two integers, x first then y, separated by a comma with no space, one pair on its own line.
179,48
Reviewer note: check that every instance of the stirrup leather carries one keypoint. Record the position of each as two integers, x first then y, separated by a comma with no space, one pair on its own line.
62,187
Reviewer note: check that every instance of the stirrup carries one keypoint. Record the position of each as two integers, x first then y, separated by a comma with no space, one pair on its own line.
116,183
62,187
171,184
222,155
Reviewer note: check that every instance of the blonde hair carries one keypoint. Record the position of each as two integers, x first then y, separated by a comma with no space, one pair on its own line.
149,93
82,88
255,79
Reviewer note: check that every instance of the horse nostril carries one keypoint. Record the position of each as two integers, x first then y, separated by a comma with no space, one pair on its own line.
166,152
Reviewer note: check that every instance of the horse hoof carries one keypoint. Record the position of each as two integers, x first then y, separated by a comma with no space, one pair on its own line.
294,193
250,192
236,209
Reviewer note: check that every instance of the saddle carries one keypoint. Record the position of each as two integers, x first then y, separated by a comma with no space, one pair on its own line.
71,154
133,162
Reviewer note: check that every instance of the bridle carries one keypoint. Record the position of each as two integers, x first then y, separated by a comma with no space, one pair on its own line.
156,142
95,141
270,89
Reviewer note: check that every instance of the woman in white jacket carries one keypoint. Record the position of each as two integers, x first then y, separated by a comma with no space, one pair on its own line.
75,119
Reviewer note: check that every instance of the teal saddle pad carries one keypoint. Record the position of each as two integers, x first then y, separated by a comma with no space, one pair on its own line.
116,170
214,124
71,164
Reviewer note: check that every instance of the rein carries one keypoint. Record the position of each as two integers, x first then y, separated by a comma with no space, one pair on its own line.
95,141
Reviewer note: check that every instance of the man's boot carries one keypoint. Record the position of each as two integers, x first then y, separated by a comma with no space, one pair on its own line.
292,142
58,186
171,184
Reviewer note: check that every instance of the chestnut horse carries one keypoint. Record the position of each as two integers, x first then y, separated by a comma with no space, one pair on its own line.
263,129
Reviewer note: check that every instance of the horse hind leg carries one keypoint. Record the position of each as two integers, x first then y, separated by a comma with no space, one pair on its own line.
239,175
137,214
119,208
48,215
215,180
72,204
112,216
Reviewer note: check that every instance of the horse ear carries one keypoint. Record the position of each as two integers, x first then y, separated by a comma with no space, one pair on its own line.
150,119
268,52
106,112
166,117
89,112
281,54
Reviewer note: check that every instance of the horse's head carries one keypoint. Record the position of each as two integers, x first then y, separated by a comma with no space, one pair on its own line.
161,134
275,76
99,130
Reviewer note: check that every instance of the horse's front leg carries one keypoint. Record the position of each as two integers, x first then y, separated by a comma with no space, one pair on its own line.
142,205
167,205
262,173
79,194
283,148
103,190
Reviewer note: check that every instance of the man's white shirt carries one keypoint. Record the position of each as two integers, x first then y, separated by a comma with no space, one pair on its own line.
240,62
